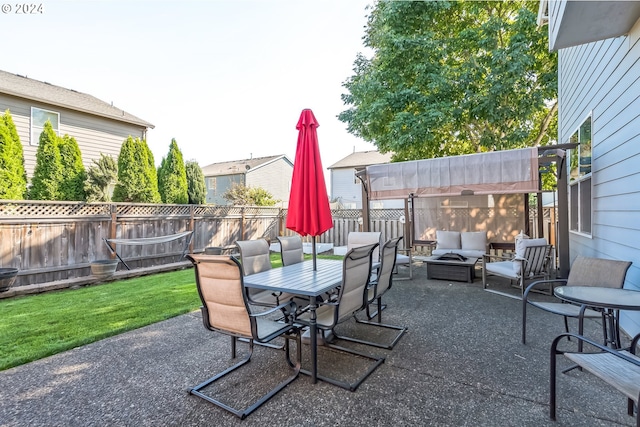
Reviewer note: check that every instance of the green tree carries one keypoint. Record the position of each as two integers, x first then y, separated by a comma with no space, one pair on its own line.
239,194
73,173
172,177
196,187
261,197
47,174
451,78
101,178
13,178
137,177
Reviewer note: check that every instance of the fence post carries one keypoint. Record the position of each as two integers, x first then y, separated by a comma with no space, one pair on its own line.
113,228
192,223
242,213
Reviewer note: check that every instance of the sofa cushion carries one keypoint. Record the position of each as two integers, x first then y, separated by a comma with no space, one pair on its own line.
474,241
503,268
447,239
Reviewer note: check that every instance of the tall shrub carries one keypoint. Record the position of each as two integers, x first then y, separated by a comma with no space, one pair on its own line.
13,178
101,177
73,173
48,170
172,177
137,178
196,187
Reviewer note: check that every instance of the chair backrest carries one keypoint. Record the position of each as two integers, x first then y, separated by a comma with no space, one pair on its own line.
536,260
387,264
291,249
222,292
254,256
356,239
607,273
356,271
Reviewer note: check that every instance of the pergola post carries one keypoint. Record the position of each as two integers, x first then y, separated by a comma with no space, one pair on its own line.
361,174
563,218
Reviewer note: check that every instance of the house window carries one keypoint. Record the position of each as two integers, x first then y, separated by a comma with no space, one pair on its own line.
212,186
580,179
38,118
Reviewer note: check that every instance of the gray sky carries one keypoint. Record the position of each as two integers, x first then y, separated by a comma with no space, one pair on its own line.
226,78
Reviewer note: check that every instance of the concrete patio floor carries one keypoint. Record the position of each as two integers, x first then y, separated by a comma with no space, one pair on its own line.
461,363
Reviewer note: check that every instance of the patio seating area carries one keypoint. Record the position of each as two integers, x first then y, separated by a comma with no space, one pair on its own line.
461,363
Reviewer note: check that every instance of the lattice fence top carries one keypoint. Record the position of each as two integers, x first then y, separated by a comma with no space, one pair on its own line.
226,211
136,209
36,209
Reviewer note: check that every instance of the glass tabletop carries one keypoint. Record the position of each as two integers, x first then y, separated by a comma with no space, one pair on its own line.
593,296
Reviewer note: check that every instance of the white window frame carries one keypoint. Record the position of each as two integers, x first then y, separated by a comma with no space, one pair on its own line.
35,129
580,182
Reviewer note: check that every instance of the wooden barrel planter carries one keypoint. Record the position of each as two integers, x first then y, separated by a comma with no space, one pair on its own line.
7,277
102,268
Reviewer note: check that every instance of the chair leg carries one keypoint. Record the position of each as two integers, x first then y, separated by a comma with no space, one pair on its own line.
243,413
552,384
378,311
343,384
379,324
524,322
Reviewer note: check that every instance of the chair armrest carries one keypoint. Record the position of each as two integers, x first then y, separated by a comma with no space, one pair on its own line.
288,308
487,257
553,282
579,338
405,250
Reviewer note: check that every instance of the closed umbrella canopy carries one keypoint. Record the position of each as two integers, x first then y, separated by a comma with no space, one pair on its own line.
309,212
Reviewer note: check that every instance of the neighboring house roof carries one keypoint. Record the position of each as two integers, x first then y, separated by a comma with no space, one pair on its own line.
240,166
23,87
362,158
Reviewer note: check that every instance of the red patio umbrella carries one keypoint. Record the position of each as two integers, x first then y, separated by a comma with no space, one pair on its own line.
309,212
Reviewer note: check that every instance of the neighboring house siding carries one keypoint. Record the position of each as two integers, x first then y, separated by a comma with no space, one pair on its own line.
344,188
275,177
94,134
603,78
218,185
347,191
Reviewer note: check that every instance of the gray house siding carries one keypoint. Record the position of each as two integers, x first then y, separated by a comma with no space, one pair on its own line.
94,134
603,79
345,190
275,177
218,185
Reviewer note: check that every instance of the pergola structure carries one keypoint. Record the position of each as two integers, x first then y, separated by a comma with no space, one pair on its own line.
492,174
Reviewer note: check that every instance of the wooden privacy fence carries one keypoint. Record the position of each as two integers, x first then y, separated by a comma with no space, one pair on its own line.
50,241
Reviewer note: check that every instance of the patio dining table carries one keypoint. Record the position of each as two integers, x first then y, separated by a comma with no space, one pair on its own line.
302,280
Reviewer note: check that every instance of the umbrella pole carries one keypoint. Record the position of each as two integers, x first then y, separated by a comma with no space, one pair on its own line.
313,249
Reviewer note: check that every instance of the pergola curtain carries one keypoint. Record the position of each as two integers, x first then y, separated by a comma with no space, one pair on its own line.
496,172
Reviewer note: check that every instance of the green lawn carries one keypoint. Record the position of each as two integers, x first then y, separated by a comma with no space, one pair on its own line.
38,326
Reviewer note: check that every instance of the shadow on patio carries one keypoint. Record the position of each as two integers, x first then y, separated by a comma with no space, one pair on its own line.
460,363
